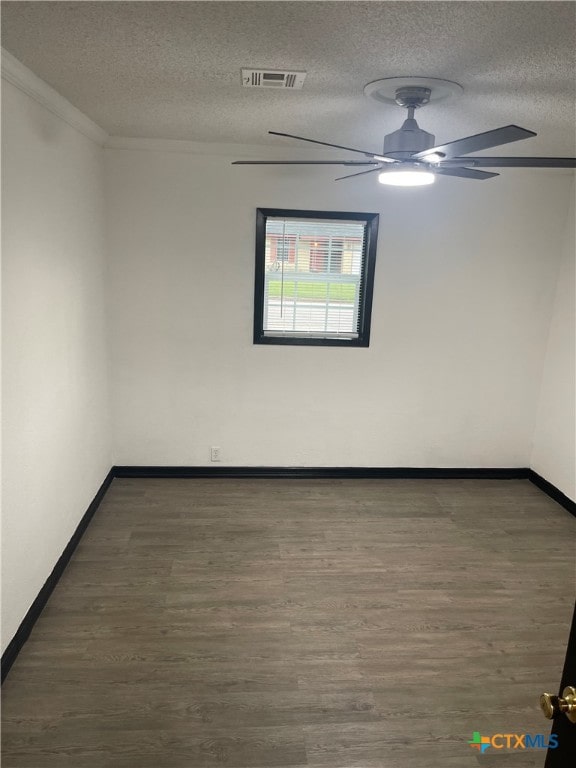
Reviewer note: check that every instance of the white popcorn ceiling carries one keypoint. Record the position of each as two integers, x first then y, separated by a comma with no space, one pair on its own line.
171,70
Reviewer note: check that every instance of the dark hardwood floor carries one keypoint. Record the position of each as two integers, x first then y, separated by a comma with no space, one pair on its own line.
288,623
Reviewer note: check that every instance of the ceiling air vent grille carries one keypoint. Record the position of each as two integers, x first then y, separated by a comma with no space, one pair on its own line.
272,78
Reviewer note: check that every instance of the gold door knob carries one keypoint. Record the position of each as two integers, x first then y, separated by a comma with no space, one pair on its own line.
552,705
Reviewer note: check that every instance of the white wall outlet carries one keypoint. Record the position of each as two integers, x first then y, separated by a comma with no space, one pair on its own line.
215,453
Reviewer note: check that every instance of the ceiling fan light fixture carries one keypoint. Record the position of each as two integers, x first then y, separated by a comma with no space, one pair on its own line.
406,177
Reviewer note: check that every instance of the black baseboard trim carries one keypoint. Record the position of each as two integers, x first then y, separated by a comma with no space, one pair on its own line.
23,632
552,491
319,473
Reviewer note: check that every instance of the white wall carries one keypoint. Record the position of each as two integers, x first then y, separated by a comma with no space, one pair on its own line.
56,446
464,285
472,301
554,450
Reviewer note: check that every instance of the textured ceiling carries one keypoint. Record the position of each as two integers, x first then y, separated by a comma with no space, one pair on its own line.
172,69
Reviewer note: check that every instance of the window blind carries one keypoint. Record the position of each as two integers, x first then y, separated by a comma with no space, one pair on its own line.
314,277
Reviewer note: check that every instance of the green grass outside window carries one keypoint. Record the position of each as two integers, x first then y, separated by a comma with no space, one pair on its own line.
317,291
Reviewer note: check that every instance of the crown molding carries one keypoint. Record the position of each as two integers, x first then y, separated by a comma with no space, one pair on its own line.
227,150
181,146
16,73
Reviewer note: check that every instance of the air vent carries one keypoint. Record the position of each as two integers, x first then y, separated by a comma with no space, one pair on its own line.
272,78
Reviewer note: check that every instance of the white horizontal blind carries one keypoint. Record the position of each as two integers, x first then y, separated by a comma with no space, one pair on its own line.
313,277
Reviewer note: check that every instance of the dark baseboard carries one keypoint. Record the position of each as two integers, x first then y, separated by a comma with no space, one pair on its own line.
552,491
35,610
318,473
430,473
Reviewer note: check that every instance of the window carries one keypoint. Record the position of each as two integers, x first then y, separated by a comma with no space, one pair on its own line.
281,248
314,277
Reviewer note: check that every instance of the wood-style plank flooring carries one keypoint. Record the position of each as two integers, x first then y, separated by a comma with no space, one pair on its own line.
288,623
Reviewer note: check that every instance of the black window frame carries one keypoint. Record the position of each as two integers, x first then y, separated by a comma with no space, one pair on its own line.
366,284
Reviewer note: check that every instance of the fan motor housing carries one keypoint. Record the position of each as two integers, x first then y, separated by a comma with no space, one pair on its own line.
407,140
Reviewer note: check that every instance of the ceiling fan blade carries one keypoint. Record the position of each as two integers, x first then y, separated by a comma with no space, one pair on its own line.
517,162
475,143
305,162
336,146
465,173
350,175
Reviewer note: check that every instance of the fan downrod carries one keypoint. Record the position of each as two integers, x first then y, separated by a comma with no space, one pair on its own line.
412,97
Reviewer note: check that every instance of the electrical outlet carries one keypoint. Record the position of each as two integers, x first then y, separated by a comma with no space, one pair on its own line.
215,453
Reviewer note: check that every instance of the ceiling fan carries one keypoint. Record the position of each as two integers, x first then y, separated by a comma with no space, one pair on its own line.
410,157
